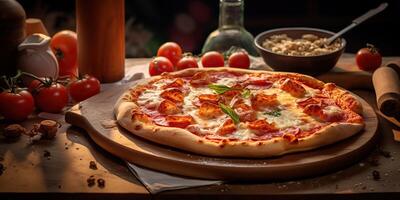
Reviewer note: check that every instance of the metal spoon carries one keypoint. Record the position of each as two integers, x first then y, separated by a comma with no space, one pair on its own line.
357,21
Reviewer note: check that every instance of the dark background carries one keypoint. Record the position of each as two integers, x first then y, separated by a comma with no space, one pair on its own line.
149,23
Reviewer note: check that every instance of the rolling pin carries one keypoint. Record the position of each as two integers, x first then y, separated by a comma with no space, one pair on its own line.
387,88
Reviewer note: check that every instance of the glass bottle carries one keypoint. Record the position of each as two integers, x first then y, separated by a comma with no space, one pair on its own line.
231,31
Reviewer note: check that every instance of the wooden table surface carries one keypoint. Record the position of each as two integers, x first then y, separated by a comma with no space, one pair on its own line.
63,175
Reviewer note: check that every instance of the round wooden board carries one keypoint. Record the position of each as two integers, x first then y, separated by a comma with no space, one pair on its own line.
95,115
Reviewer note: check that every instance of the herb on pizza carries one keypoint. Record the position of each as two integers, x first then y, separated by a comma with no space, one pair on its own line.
219,89
230,112
275,113
246,93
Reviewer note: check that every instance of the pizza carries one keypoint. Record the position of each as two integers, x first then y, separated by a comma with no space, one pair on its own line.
228,112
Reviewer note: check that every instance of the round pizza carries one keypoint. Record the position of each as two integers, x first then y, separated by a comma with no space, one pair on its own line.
230,112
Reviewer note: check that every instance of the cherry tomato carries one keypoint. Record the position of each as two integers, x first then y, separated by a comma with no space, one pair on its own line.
50,97
239,59
64,46
170,50
84,88
368,58
159,65
187,62
16,106
212,59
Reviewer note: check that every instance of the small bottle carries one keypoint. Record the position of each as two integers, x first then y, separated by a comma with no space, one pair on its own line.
231,31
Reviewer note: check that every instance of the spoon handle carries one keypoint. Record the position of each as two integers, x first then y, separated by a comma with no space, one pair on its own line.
357,21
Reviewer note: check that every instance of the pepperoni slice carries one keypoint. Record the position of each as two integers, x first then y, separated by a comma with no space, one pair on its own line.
261,100
255,84
209,110
211,98
245,112
140,116
200,78
293,88
261,126
177,83
227,128
168,107
179,121
173,94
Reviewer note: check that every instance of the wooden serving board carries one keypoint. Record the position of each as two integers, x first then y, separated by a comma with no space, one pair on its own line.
95,115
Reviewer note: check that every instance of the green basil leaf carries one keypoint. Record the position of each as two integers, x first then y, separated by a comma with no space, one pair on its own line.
230,112
246,93
219,89
275,113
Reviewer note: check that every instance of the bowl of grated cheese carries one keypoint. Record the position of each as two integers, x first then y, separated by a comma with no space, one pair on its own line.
299,49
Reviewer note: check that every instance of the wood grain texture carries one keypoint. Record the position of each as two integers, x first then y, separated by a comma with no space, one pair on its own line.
101,39
93,114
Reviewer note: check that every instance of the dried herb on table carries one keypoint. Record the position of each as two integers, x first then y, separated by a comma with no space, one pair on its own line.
92,165
91,181
101,183
376,175
46,154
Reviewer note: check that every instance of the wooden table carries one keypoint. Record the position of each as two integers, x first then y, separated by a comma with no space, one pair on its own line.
64,174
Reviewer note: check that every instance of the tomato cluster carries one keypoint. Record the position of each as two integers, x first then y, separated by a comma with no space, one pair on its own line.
45,94
170,58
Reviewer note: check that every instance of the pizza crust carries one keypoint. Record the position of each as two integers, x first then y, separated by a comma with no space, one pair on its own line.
183,139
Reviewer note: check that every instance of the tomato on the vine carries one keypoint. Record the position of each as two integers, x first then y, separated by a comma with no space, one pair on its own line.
212,59
159,65
50,96
368,58
17,105
84,88
187,62
239,59
64,46
170,50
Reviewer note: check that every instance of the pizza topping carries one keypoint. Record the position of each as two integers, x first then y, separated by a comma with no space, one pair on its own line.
256,84
332,113
230,112
168,107
261,100
291,138
200,78
262,126
227,128
177,83
179,121
221,89
275,113
245,112
140,116
209,110
292,87
328,113
211,98
173,94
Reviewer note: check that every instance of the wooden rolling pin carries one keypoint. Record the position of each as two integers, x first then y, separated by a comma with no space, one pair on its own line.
387,88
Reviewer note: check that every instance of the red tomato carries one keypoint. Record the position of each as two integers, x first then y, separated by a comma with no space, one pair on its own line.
51,98
84,88
239,59
368,58
16,106
159,65
170,50
64,46
187,62
212,59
